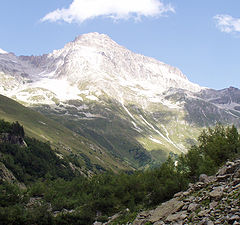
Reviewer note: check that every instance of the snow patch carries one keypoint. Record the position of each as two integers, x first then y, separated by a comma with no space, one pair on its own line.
3,52
92,97
42,122
155,140
157,131
61,88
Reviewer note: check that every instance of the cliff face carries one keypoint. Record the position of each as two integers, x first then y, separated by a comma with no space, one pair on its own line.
212,200
12,139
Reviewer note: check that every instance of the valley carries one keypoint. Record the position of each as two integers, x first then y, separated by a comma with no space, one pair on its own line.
136,108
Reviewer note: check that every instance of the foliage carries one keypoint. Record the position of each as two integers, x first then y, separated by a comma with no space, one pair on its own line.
12,128
106,193
35,161
216,146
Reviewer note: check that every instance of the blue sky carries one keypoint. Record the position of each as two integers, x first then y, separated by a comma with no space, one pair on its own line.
201,37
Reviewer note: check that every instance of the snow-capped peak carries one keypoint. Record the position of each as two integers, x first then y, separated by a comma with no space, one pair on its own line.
96,63
97,57
3,52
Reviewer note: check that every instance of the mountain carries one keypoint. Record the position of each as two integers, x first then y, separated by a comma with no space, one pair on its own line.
67,143
135,107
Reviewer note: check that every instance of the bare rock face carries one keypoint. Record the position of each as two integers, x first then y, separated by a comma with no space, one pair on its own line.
211,202
12,139
6,175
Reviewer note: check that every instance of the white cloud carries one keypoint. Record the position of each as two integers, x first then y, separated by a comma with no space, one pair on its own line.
81,10
227,23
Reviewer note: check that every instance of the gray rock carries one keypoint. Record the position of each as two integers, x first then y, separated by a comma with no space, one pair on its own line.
236,223
139,222
173,217
237,173
179,216
166,209
97,223
203,213
192,207
204,178
222,171
179,194
219,189
234,218
216,193
213,204
223,177
209,222
159,223
178,223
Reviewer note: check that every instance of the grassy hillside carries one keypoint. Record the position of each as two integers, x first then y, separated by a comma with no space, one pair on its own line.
36,125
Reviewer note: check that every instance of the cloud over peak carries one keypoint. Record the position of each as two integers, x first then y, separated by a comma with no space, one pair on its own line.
82,10
227,23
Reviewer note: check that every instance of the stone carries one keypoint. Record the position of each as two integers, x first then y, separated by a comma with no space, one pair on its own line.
213,204
222,171
164,210
172,217
190,198
234,218
178,223
179,194
177,216
139,222
230,164
237,174
216,193
204,178
223,177
236,223
203,213
223,207
209,222
97,223
235,182
159,223
186,193
192,207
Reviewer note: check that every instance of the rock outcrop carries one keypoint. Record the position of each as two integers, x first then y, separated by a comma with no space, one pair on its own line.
6,175
212,200
12,139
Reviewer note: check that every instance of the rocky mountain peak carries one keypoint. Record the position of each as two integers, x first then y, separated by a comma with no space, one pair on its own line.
94,41
96,56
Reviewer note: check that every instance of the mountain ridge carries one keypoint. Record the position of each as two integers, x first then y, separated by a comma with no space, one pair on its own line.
135,106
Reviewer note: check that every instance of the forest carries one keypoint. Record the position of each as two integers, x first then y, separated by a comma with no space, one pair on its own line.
54,194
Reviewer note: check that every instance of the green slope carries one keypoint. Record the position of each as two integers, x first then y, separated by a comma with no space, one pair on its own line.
90,156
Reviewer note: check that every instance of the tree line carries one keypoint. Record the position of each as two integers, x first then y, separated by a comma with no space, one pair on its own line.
96,198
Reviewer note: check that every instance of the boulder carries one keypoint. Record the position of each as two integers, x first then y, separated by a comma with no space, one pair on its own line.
216,193
192,207
204,178
164,210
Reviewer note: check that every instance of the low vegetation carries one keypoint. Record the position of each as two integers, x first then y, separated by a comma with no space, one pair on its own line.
60,197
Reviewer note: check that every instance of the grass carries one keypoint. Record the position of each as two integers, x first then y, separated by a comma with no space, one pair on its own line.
61,138
115,131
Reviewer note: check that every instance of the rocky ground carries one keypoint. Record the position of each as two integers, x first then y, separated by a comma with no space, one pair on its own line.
212,200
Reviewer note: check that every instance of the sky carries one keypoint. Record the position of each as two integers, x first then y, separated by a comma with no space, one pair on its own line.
200,37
